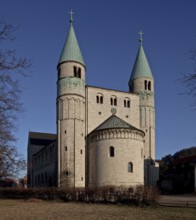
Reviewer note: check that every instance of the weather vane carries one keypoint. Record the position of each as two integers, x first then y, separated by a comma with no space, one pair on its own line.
141,39
71,15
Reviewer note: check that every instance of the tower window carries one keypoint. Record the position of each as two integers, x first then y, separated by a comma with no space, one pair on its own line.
77,71
130,167
81,151
149,86
65,148
145,84
111,151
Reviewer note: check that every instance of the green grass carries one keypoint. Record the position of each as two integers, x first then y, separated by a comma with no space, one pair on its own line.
38,210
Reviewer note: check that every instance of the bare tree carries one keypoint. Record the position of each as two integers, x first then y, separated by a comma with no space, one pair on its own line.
11,67
190,79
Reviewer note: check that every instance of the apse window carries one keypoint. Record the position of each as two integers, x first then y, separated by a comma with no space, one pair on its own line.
111,151
130,167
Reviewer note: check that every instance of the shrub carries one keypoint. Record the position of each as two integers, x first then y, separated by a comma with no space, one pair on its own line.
138,195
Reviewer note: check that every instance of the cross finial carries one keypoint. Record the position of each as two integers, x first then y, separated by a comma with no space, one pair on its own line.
140,40
71,15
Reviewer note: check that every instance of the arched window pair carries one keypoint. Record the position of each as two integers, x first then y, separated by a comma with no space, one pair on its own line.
127,103
99,98
77,71
113,100
130,167
147,85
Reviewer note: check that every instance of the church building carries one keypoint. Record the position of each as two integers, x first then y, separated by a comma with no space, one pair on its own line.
104,137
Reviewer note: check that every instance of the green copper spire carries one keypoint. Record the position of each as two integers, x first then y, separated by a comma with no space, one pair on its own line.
71,50
141,67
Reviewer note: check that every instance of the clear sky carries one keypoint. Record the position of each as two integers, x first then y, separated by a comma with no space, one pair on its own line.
107,31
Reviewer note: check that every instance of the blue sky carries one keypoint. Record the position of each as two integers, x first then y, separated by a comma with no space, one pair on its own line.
107,32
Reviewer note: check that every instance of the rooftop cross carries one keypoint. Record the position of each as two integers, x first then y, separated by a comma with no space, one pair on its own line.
140,40
71,15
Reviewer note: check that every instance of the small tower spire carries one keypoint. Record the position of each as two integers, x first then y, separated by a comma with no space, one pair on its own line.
141,68
141,39
71,16
71,50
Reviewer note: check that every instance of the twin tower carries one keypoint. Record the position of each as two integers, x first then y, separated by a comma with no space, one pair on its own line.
104,137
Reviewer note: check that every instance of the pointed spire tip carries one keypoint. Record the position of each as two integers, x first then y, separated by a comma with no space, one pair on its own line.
71,16
141,39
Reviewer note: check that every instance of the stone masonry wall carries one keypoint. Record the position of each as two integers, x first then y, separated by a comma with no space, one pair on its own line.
105,170
96,113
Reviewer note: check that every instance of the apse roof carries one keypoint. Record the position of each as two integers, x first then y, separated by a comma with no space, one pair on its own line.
115,122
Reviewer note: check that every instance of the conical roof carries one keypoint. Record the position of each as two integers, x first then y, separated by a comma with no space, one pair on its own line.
141,67
71,50
115,122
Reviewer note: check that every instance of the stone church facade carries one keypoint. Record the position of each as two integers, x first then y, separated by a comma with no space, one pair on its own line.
104,137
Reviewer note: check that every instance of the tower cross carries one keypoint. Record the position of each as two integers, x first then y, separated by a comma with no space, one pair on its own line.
71,15
140,33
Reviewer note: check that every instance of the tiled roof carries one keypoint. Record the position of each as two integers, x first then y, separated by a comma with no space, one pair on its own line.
115,122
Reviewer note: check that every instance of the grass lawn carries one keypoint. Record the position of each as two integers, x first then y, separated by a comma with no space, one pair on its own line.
36,210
